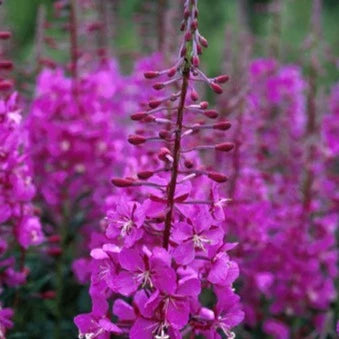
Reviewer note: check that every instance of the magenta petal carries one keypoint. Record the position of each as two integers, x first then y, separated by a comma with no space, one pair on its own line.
184,253
131,260
124,283
143,328
108,326
123,310
181,232
177,313
189,287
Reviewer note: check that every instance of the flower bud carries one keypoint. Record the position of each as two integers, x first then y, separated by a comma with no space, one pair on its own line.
145,174
171,72
158,86
203,41
154,103
222,125
221,79
204,105
188,36
216,88
194,95
136,139
188,164
164,134
151,74
217,177
195,61
163,153
6,64
211,113
54,251
54,238
120,182
138,116
5,35
224,147
48,294
5,85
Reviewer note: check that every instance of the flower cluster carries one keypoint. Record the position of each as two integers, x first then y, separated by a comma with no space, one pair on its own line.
17,220
287,237
163,262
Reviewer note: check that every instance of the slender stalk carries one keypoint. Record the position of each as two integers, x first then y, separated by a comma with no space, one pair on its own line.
176,156
39,37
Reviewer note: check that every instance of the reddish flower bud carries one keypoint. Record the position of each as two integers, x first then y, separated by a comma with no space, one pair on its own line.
120,182
149,118
5,35
203,41
164,134
145,175
218,177
194,95
199,49
194,25
188,164
136,139
222,125
186,13
5,85
154,103
204,105
54,238
188,36
195,61
182,26
6,64
151,74
221,79
138,116
158,86
211,113
54,251
224,147
171,72
216,88
183,51
48,295
48,63
163,153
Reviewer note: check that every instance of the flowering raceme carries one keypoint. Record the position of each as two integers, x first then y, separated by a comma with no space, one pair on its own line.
164,263
287,241
17,220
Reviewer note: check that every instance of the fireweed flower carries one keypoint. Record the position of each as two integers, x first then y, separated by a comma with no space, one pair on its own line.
164,243
286,248
17,220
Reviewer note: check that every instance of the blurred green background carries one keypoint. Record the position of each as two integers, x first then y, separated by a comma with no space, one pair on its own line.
216,15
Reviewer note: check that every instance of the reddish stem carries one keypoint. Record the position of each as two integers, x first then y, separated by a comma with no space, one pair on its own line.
176,157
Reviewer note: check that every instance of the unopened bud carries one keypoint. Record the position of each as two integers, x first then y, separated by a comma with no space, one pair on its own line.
163,153
188,36
5,35
54,238
154,103
195,61
211,113
5,85
222,125
54,251
194,25
204,105
194,95
120,182
158,86
151,74
138,116
6,64
136,139
171,72
221,79
203,41
218,177
216,88
224,147
145,175
188,164
164,134
48,295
